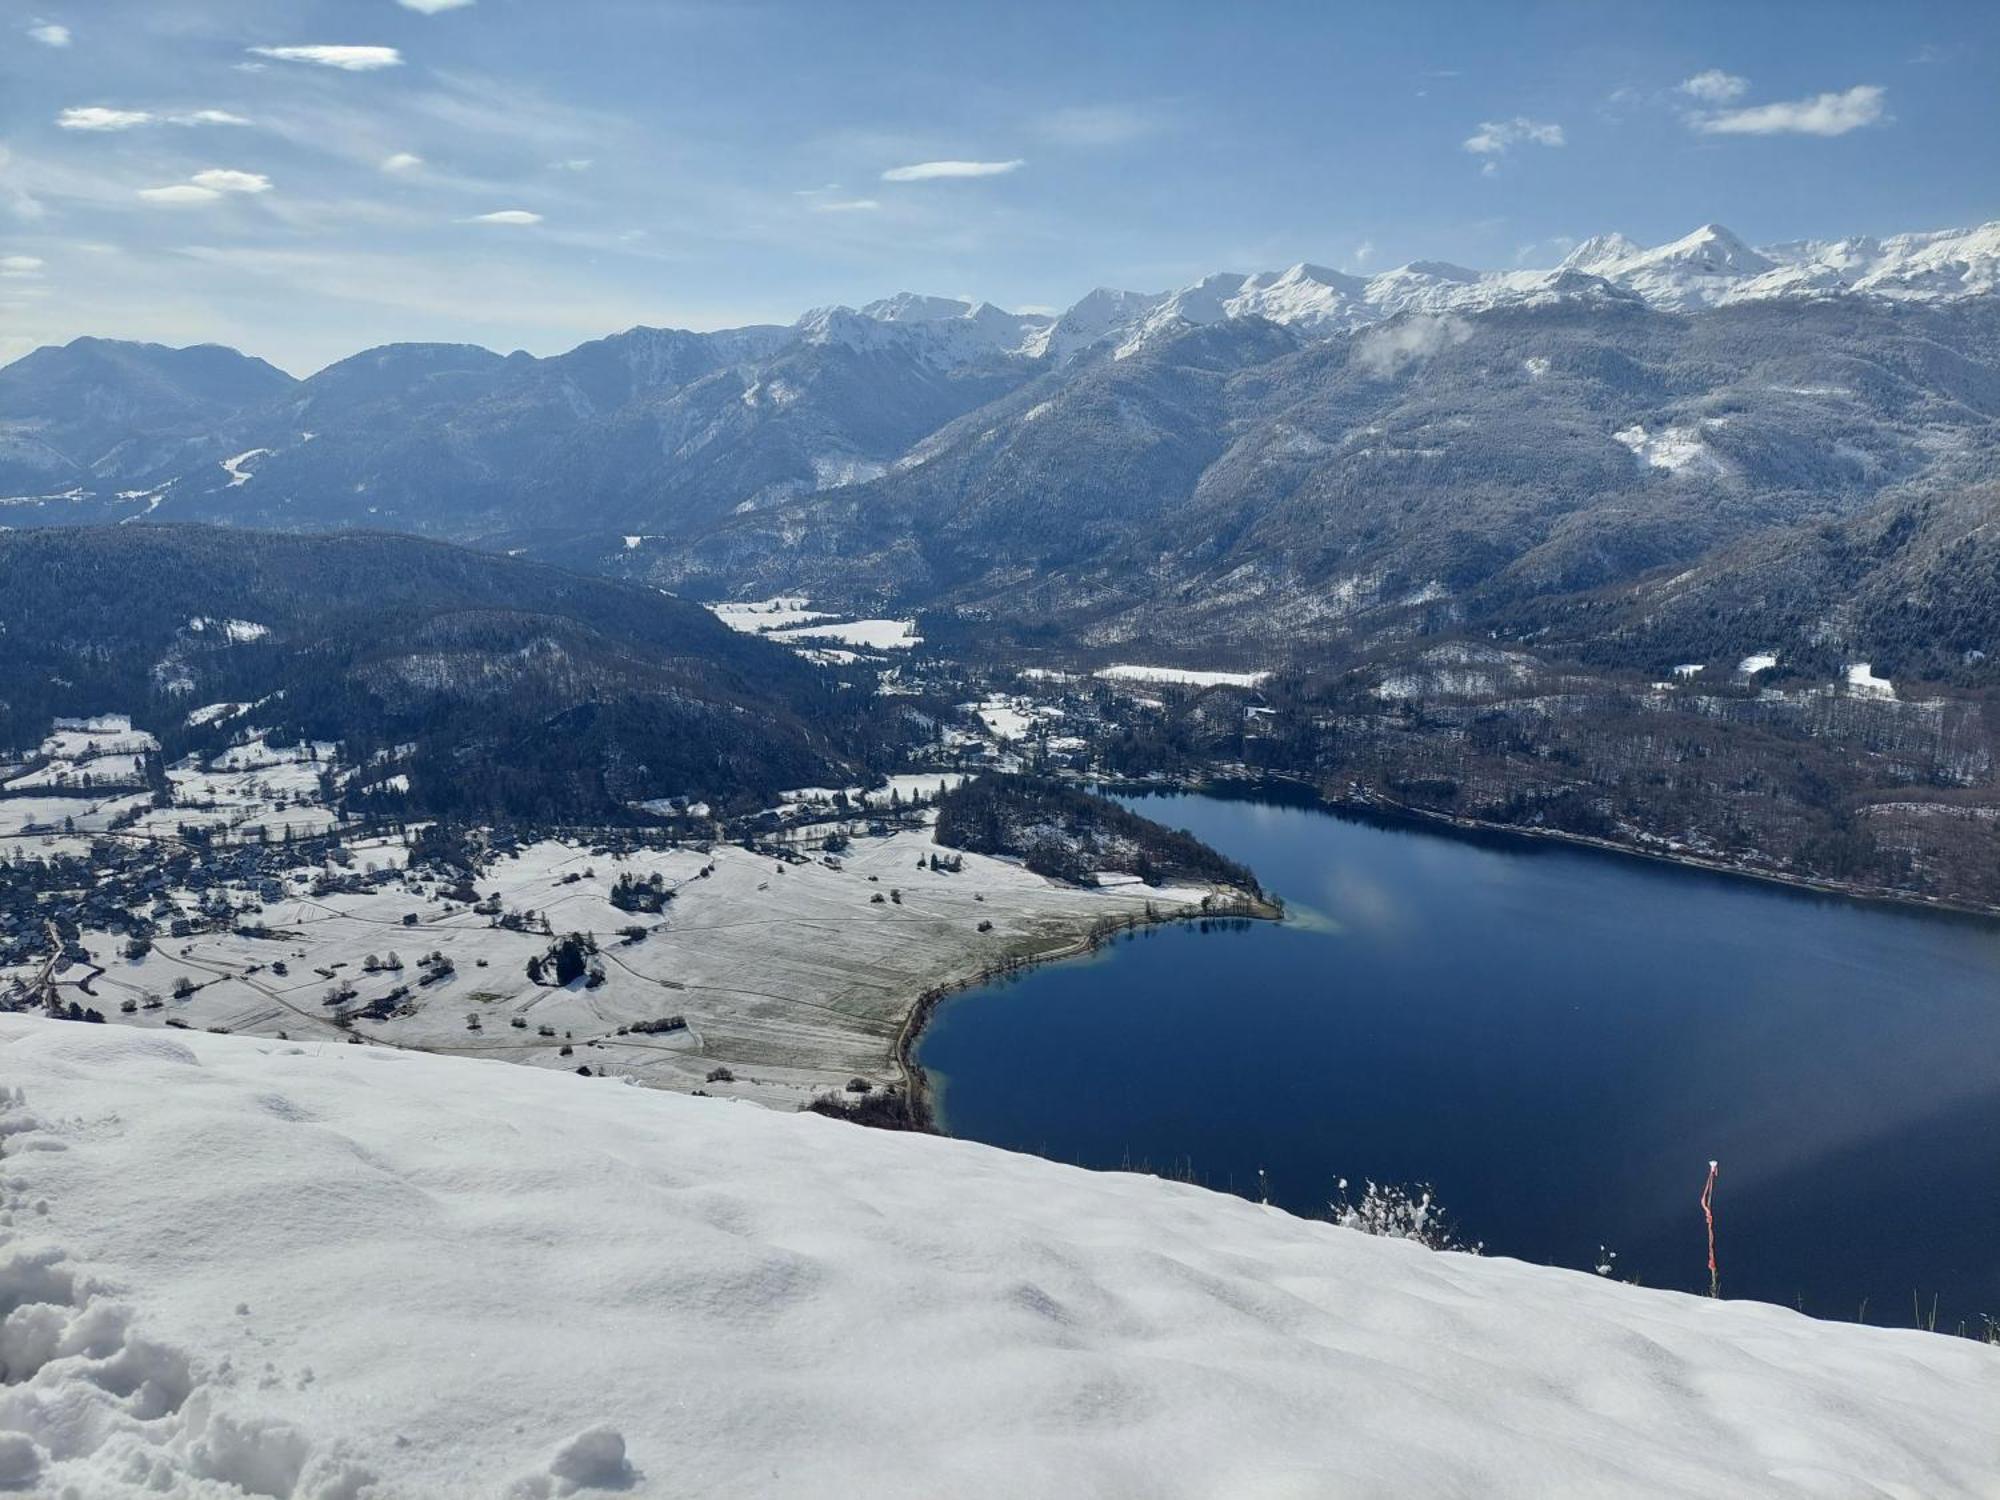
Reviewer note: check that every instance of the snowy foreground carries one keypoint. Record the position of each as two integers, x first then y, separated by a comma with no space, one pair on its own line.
330,1273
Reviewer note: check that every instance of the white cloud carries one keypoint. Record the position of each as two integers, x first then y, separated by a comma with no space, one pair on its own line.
207,186
226,180
432,7
402,161
1384,350
180,194
572,164
1823,115
925,171
1496,138
506,216
1713,86
831,200
49,33
347,59
101,117
1363,253
20,267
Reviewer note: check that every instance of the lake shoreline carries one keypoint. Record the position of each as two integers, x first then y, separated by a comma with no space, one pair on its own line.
1390,810
1559,1044
1233,904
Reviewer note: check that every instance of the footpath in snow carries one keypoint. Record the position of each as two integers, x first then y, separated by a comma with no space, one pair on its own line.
234,1265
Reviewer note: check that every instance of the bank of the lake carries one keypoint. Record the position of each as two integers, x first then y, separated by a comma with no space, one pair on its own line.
1559,1038
1222,904
1294,791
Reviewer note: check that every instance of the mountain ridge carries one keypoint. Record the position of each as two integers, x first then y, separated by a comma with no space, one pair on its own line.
1915,265
1282,457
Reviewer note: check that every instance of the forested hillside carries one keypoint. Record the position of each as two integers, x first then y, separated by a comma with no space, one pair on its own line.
526,690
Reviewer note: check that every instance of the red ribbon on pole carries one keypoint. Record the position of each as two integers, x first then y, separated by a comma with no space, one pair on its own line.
1708,1213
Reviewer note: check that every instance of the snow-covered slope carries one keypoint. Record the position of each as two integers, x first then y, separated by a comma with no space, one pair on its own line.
1707,268
943,330
346,1273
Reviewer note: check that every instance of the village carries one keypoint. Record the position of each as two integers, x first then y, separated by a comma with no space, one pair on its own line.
778,955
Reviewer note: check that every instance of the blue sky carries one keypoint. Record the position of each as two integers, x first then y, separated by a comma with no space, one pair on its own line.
303,178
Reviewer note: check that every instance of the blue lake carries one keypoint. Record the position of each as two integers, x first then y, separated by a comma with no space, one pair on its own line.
1559,1040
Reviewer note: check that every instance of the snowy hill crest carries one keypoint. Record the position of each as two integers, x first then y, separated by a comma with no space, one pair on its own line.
404,1277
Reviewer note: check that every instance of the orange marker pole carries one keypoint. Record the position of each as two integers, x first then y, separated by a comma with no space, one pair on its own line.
1708,1213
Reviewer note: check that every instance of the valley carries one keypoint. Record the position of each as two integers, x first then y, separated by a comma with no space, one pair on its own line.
783,955
1023,752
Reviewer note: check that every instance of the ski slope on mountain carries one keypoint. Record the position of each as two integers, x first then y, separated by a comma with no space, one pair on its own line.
343,1273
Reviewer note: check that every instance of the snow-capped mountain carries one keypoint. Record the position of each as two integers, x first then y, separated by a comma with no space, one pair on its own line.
942,330
1096,315
1709,268
901,409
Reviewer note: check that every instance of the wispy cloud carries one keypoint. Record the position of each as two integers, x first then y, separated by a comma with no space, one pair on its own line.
832,199
49,33
103,117
179,194
207,186
1821,115
347,59
432,7
506,216
1494,139
927,171
20,267
227,180
1929,54
1096,125
1713,86
402,161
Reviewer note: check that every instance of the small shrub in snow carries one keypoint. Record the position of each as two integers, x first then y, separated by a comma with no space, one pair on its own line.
1393,1212
883,1109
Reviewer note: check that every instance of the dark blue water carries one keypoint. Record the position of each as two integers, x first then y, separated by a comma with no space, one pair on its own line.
1559,1040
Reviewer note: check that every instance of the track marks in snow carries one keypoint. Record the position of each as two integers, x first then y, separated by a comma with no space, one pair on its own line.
89,1406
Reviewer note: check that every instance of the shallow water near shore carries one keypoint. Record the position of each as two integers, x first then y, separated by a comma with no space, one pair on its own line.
1558,1039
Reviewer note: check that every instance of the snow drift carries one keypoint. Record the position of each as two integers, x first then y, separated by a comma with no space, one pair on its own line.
238,1266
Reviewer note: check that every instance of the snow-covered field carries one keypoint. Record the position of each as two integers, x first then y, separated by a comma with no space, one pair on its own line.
80,753
25,815
1011,717
342,1273
1863,683
758,615
790,618
794,977
1181,676
1678,450
872,635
